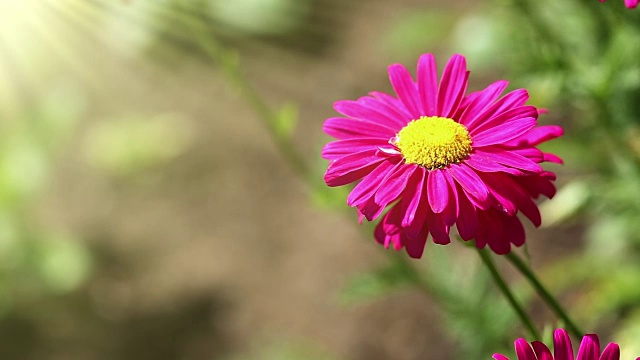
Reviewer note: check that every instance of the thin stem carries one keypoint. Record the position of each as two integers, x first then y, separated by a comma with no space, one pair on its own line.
544,294
502,284
201,35
229,64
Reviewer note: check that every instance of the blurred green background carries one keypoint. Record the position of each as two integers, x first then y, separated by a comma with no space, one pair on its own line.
151,203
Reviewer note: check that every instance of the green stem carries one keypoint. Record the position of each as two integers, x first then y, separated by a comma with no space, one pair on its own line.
229,64
502,284
544,294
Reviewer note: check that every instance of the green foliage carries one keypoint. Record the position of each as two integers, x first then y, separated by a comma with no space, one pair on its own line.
368,286
36,260
628,335
63,263
132,144
471,302
462,288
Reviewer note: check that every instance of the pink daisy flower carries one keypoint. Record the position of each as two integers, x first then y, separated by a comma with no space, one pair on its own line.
441,158
631,4
562,350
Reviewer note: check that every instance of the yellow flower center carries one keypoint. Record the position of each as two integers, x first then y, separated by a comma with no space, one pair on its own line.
433,142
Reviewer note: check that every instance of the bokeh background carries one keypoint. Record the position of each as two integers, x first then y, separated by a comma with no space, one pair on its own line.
161,192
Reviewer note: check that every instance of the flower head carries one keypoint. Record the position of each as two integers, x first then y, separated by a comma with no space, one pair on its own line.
440,157
631,4
562,350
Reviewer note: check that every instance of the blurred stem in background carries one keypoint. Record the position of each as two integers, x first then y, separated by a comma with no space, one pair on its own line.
504,287
272,120
544,293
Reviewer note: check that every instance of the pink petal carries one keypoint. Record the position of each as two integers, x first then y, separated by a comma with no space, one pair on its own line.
514,231
438,190
452,85
428,84
370,183
537,136
372,112
531,211
439,231
498,183
523,350
494,232
451,212
541,350
562,349
388,232
394,240
511,100
531,153
483,163
396,114
406,89
415,246
505,132
393,108
552,158
631,4
337,149
467,222
476,102
536,185
342,128
519,112
480,241
350,168
509,158
415,209
380,235
370,209
522,200
500,357
471,183
589,348
394,185
611,352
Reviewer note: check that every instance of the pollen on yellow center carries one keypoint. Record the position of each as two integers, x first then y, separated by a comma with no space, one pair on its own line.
433,142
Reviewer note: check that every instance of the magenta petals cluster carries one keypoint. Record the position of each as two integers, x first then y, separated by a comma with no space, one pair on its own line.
631,4
562,349
435,157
